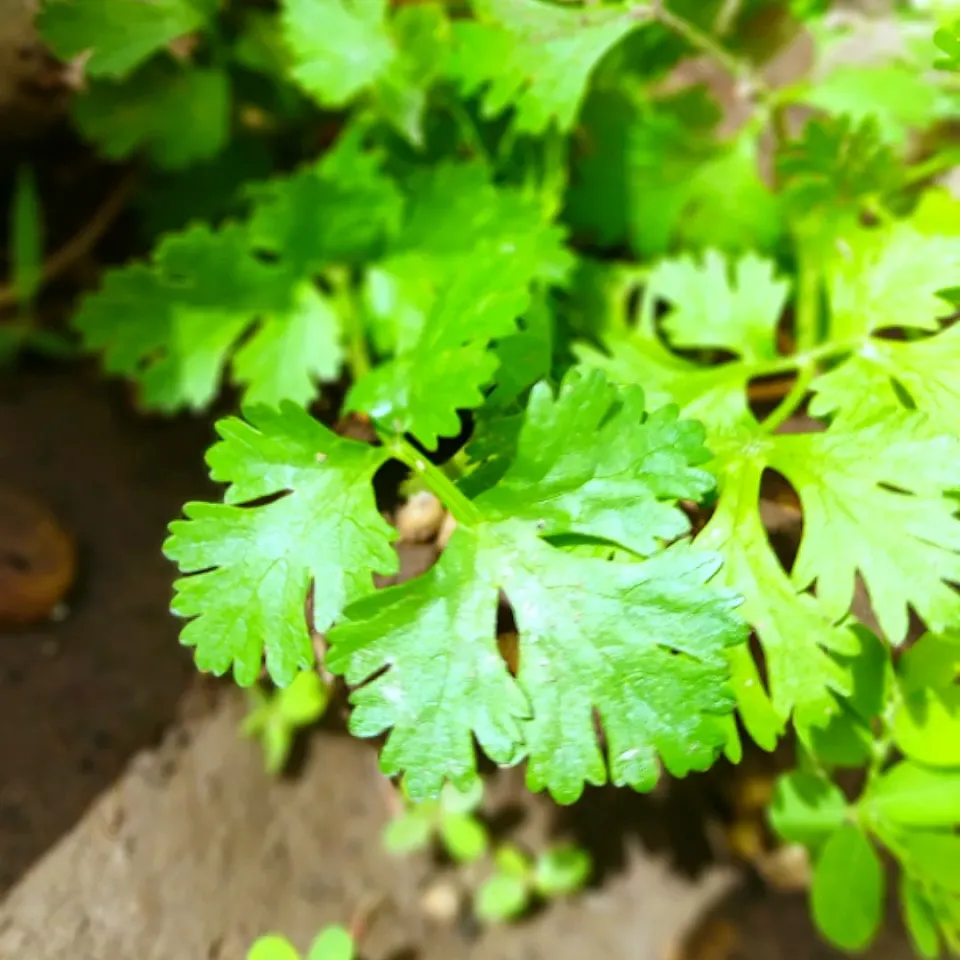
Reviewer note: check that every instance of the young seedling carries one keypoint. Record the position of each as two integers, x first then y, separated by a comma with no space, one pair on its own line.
332,943
275,717
450,820
519,880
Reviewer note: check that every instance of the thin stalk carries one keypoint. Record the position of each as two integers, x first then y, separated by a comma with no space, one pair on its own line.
436,481
808,298
358,355
791,402
702,41
930,167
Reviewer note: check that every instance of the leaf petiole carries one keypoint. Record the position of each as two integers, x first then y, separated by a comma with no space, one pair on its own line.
436,481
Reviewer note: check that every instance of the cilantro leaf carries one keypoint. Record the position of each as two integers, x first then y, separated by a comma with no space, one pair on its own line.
714,305
120,34
881,372
455,213
695,191
890,278
835,165
290,352
850,476
634,352
341,210
177,115
582,621
339,47
535,57
422,35
250,567
796,636
203,293
896,96
459,276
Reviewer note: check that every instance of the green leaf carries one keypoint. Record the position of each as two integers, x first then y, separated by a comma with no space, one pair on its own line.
119,34
464,837
926,726
919,918
642,644
339,47
849,476
277,742
932,856
501,898
203,293
340,210
26,238
534,57
933,661
409,832
847,892
272,947
289,353
422,35
334,943
177,115
881,372
947,40
890,278
797,638
561,870
456,216
513,862
733,306
897,96
457,801
692,189
305,700
835,166
915,796
251,567
806,808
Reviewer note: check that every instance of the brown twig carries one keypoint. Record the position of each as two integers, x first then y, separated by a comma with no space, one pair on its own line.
83,241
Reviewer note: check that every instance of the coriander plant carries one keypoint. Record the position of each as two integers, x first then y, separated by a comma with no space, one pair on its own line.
595,309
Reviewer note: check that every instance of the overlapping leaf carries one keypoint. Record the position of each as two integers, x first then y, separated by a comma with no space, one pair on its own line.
177,115
118,34
250,566
343,48
873,503
460,275
641,642
533,56
203,293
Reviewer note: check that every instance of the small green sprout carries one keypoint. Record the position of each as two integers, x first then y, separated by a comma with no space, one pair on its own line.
275,717
332,943
450,820
519,879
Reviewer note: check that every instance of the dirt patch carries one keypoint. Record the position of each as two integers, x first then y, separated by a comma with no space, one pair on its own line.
78,698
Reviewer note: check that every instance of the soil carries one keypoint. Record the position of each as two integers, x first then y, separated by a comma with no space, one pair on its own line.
134,822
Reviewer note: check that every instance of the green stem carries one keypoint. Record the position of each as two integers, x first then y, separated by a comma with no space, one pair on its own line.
437,482
808,298
702,41
931,166
468,130
358,356
791,402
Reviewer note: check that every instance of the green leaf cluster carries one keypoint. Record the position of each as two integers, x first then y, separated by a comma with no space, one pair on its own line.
614,321
902,725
